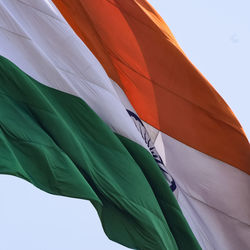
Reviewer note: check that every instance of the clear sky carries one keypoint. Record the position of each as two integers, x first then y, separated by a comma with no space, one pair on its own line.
215,35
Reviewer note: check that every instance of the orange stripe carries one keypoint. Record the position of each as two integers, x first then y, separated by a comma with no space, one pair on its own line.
139,52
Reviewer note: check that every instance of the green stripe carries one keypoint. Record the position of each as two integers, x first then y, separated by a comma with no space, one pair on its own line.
55,141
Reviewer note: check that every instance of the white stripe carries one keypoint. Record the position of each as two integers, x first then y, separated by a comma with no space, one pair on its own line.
40,42
213,195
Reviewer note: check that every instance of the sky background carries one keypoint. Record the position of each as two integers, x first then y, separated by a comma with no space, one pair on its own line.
215,35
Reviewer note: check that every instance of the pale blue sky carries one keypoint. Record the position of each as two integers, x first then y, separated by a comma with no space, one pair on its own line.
215,35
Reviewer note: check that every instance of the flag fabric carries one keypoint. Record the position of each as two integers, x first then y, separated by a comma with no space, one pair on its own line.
65,129
199,139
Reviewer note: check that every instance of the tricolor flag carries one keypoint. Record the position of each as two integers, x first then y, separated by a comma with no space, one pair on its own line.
127,123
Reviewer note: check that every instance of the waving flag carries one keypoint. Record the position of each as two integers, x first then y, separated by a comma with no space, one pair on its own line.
111,132
198,137
65,129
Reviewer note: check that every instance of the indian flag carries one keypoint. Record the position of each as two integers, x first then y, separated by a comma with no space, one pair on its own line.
108,108
65,129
